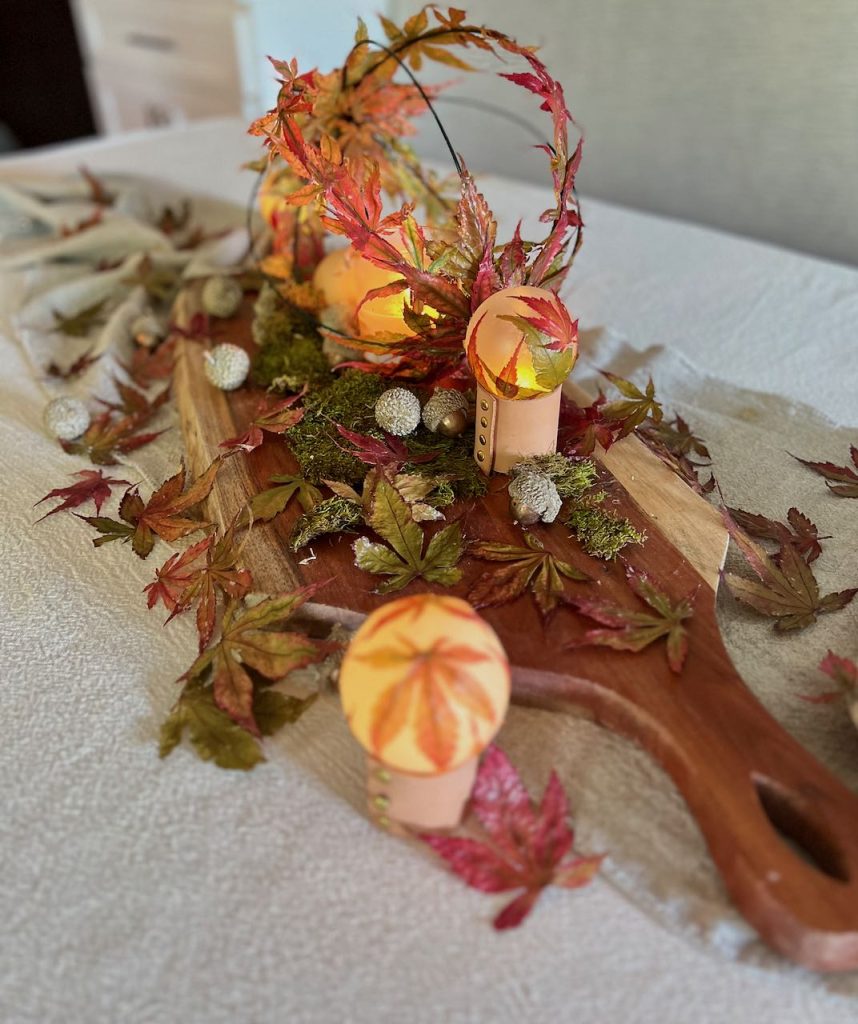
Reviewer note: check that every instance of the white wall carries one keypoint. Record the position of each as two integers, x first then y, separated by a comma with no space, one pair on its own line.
738,113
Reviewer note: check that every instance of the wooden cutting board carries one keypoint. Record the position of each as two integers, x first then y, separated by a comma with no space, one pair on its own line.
781,829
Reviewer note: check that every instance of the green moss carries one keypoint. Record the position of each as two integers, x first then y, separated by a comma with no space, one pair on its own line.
349,400
290,348
600,532
454,459
572,477
333,515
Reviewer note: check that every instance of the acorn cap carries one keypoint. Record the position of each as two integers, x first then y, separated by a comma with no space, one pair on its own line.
425,684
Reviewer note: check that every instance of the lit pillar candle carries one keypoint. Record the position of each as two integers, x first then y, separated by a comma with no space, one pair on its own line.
521,345
424,686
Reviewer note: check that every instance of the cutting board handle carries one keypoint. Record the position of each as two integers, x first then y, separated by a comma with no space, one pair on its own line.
781,828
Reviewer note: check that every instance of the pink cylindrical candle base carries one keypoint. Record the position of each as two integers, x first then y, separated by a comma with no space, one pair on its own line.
419,801
508,430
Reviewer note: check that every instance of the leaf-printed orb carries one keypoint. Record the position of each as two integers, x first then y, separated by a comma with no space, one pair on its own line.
425,684
345,279
521,342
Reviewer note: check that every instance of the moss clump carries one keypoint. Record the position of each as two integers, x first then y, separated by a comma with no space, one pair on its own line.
333,515
348,400
600,532
454,459
290,347
572,477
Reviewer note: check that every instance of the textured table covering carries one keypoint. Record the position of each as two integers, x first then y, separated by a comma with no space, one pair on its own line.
138,890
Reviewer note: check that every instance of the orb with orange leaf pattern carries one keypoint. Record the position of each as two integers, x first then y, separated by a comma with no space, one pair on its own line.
425,684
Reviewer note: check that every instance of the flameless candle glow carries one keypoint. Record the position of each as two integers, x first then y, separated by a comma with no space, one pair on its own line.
425,684
521,345
344,277
509,360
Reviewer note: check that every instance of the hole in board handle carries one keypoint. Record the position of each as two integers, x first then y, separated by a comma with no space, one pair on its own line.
803,836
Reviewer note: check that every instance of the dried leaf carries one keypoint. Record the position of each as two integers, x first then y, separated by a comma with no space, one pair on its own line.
843,671
164,515
147,366
582,428
389,453
79,324
628,630
787,592
272,419
635,407
196,576
525,847
109,436
524,568
387,512
93,486
75,369
840,480
213,734
254,638
270,503
798,531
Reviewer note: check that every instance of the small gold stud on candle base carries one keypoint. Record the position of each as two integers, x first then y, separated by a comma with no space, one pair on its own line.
422,801
515,430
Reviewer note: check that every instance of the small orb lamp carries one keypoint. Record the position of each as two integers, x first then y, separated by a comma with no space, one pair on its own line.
519,369
424,685
344,277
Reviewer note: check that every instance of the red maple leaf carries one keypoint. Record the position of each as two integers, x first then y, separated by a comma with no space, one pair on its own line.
389,454
275,419
844,672
581,428
75,369
525,847
840,480
551,318
93,486
148,366
196,575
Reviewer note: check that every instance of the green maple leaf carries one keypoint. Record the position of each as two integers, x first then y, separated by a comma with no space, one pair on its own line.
81,323
525,568
270,503
254,639
213,734
635,407
629,630
387,512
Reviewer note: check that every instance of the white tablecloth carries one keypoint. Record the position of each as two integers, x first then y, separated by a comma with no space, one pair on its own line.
137,890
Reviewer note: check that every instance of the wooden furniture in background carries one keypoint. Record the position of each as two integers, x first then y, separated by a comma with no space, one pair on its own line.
161,62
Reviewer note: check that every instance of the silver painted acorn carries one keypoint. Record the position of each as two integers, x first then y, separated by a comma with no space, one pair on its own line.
67,418
398,412
222,296
227,366
147,331
446,412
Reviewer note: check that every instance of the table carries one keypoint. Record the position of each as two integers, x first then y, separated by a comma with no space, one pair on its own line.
138,890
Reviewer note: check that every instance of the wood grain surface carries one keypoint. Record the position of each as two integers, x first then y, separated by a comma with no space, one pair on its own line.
781,829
